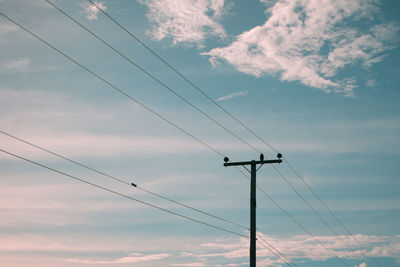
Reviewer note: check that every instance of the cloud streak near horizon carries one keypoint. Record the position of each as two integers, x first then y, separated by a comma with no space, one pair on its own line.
298,247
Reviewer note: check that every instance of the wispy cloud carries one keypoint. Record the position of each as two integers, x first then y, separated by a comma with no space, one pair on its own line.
90,10
310,42
304,247
235,94
346,87
23,65
234,252
191,264
188,21
371,83
17,65
130,259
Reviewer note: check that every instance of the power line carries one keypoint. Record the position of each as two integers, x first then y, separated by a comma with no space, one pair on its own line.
286,259
134,199
159,115
227,112
195,209
122,181
309,205
178,72
296,221
182,98
188,102
154,78
123,195
110,84
273,252
114,86
328,209
130,198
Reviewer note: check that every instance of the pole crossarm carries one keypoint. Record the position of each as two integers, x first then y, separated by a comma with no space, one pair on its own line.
241,163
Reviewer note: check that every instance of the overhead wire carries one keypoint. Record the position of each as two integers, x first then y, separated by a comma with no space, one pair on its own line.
274,253
136,101
310,206
135,185
229,114
282,256
188,102
296,221
176,71
329,210
114,86
133,99
122,195
154,78
131,198
110,84
165,119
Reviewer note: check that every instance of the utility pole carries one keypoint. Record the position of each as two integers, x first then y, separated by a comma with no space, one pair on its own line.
253,171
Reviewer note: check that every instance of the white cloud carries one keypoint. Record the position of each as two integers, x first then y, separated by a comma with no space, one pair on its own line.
346,87
23,65
18,65
235,94
369,62
371,83
130,259
185,20
302,247
192,264
90,10
308,41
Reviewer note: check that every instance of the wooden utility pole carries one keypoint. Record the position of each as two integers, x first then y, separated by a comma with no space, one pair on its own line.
253,171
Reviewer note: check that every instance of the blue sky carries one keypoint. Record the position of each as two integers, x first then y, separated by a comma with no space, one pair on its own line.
318,80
